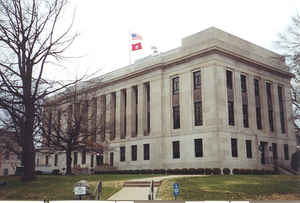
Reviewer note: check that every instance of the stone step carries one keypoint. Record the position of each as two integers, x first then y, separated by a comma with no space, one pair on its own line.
141,183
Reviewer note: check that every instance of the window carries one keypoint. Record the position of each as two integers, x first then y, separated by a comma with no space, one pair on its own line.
55,159
197,80
198,148
230,113
175,85
248,149
92,160
122,153
229,79
281,110
176,117
47,160
83,160
243,83
234,147
6,156
146,151
176,150
274,151
111,159
198,113
6,172
75,158
134,152
286,151
270,105
257,104
245,116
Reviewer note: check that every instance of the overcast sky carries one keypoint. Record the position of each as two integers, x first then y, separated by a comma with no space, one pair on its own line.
104,27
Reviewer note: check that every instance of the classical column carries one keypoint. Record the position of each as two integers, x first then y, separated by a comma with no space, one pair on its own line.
238,105
118,119
129,111
251,103
186,101
141,110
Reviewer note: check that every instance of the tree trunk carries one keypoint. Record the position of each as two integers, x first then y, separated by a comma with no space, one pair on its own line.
69,162
28,151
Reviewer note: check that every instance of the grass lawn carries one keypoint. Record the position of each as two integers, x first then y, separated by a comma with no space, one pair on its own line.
237,187
60,187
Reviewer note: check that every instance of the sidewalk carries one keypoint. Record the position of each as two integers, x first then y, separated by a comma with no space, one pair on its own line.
141,193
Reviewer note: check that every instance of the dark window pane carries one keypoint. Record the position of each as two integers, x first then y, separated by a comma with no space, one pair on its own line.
83,160
230,113
134,152
146,151
249,149
75,158
243,83
122,153
55,159
197,79
245,116
229,79
286,152
281,110
234,147
111,159
92,160
176,150
198,148
258,118
270,106
198,113
274,151
176,117
175,85
256,87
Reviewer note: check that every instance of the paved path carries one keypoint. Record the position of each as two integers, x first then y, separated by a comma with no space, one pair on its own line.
141,193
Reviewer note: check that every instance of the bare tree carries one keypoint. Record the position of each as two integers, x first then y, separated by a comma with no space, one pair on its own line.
29,40
70,124
289,45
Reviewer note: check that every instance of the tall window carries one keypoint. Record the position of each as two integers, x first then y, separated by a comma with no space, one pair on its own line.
286,151
270,106
176,117
175,103
148,106
47,160
83,160
230,97
197,80
111,159
176,150
134,152
146,151
55,159
244,101
92,160
281,109
75,158
257,104
198,148
122,153
274,151
234,147
175,84
6,156
248,149
197,99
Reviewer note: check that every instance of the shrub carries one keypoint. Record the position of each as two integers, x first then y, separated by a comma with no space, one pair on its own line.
226,171
192,171
55,172
235,171
200,171
208,171
216,171
38,172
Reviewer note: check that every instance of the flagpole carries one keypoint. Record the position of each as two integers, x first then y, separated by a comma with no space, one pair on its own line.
129,43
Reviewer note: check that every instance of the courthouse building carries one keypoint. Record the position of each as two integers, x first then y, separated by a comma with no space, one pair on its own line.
217,101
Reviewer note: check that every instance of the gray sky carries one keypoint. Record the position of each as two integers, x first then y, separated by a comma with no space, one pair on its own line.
104,26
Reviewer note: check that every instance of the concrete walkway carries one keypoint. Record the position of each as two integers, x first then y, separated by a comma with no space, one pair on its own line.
141,193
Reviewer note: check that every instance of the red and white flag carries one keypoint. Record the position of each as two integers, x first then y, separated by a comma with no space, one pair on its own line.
137,46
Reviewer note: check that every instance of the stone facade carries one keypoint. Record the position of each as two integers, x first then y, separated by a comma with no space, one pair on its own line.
223,121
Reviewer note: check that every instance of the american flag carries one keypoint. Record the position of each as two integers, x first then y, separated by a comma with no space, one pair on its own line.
135,36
